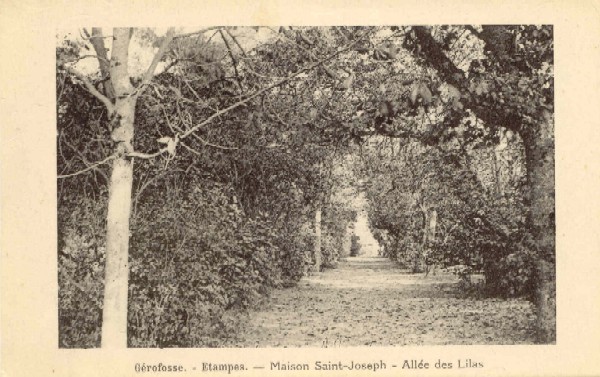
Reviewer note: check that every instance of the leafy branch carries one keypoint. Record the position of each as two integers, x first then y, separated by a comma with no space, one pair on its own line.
258,93
217,114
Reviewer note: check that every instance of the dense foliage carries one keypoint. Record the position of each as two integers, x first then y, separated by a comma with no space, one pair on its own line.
214,227
479,212
443,123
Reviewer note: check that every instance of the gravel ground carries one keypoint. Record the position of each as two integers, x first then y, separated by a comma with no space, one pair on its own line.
369,301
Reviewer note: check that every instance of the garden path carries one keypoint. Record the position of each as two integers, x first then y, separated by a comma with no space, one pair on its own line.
370,301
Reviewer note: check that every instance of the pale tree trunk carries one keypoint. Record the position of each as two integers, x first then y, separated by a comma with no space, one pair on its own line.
432,225
539,159
539,151
431,236
347,241
114,313
318,238
429,229
420,258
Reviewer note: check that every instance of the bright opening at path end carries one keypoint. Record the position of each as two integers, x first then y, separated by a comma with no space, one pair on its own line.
369,247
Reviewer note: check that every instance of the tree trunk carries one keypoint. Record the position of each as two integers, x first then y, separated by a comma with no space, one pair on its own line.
347,242
429,228
419,261
318,238
114,313
432,225
539,159
539,151
97,41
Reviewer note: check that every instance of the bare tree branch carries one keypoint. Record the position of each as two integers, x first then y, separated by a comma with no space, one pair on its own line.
268,88
98,43
110,107
91,167
86,161
219,113
233,61
88,37
192,150
147,156
179,130
157,57
235,41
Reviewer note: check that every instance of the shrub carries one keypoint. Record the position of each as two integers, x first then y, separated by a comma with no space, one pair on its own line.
196,263
80,271
193,262
510,272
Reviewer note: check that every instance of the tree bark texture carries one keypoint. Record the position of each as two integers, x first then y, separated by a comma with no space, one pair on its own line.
539,159
419,264
539,151
97,41
318,238
429,229
114,312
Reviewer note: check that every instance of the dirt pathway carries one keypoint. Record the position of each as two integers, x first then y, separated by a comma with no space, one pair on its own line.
368,301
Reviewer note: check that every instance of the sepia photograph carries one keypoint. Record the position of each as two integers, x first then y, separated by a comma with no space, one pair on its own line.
305,186
299,188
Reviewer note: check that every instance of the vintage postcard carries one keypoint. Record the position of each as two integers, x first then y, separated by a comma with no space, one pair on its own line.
285,188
